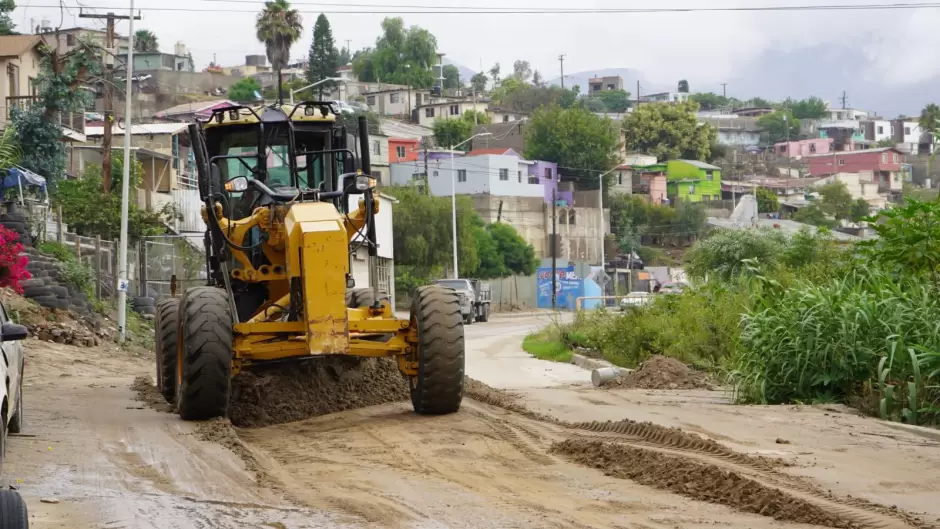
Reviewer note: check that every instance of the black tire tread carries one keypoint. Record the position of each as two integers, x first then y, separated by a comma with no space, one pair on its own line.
13,512
206,333
167,333
441,356
364,297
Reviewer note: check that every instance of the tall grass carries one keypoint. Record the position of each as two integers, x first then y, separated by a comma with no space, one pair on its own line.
866,335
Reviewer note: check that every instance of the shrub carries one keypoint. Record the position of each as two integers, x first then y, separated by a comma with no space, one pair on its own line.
12,261
723,254
78,275
840,339
60,251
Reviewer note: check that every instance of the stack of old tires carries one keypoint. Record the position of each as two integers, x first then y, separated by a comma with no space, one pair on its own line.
144,305
16,220
47,288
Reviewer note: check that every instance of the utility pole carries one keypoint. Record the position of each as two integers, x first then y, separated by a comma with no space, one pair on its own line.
554,249
638,93
125,183
600,204
561,60
724,90
844,98
108,59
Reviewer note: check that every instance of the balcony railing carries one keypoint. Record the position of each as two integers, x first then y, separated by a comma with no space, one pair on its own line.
70,120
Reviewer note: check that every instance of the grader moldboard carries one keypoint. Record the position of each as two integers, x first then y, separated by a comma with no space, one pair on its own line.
277,182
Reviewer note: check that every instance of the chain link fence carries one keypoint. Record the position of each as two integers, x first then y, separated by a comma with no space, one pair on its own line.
167,260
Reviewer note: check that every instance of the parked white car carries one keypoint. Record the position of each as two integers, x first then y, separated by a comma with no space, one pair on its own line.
13,513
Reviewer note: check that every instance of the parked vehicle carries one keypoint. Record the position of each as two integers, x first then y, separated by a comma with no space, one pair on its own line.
12,508
474,296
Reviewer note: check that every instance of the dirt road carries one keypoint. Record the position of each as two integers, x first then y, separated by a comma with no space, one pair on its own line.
112,461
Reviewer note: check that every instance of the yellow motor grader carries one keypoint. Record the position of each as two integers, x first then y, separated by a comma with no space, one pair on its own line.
280,185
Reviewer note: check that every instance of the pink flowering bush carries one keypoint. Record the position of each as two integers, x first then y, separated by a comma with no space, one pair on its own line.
12,261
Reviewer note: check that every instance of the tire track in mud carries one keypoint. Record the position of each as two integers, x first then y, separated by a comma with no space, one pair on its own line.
749,480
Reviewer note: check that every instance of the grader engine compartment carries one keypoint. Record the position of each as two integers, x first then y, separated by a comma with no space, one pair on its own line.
277,183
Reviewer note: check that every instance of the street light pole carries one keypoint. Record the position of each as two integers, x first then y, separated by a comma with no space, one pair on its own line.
453,194
321,81
125,185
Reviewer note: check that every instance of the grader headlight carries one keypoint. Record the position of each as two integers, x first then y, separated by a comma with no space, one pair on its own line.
364,182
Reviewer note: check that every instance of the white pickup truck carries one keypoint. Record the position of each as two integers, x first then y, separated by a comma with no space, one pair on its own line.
474,298
13,513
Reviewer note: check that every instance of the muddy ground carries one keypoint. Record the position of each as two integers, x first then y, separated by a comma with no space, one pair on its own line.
543,449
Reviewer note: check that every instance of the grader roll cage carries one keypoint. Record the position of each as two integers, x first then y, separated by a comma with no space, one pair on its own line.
276,183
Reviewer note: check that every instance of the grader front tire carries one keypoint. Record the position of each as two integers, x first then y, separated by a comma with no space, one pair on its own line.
438,387
167,326
205,354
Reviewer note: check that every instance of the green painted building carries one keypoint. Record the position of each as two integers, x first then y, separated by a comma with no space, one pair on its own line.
692,181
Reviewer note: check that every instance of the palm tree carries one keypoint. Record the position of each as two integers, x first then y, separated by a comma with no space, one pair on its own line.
278,27
145,40
930,128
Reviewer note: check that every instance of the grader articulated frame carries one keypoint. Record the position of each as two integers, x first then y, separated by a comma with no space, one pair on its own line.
277,182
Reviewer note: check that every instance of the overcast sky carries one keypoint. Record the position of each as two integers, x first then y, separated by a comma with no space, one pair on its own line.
705,48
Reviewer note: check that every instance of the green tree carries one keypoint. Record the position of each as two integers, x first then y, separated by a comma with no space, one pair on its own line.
344,57
809,108
451,76
244,90
710,100
835,200
494,74
583,144
278,27
767,201
400,56
908,240
683,87
669,131
885,142
537,80
91,211
452,131
615,100
323,58
724,253
478,82
6,23
759,102
813,214
521,70
775,126
860,210
37,125
517,255
929,123
351,121
145,40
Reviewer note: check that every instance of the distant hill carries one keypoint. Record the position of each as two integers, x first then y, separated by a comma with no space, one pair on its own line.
465,73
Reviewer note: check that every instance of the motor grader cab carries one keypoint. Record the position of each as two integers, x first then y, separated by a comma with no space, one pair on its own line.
280,186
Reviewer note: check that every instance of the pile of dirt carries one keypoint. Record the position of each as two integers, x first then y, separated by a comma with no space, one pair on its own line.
662,372
698,480
293,392
148,393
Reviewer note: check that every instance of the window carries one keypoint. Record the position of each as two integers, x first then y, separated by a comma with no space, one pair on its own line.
893,129
895,157
400,151
709,175
429,112
370,100
520,177
504,175
706,198
841,161
884,157
376,147
505,118
548,173
692,189
454,110
907,130
435,173
70,40
572,217
611,87
881,130
377,175
812,147
533,179
393,97
619,179
461,175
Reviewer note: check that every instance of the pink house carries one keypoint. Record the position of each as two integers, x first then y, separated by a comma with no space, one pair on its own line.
799,149
881,166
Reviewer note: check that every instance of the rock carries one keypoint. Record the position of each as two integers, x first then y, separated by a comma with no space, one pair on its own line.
44,335
782,441
49,500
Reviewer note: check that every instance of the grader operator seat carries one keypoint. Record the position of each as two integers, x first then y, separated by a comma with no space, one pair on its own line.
279,185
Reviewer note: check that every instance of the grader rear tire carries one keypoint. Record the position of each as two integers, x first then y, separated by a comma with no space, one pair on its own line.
438,387
365,297
167,325
204,373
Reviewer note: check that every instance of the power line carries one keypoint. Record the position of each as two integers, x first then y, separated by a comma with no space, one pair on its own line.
467,10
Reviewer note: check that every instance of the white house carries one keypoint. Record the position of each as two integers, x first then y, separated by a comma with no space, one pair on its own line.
359,260
733,130
431,112
489,174
378,157
500,115
394,100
